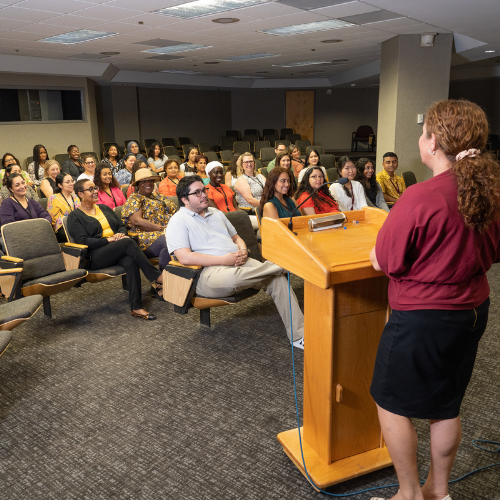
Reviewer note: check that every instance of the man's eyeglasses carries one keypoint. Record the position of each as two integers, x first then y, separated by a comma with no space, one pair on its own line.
198,192
91,189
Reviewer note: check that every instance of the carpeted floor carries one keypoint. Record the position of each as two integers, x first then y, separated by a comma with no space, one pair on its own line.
95,404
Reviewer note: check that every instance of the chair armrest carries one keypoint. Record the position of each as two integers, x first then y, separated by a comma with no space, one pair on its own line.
72,245
354,135
178,264
11,259
10,279
247,209
72,254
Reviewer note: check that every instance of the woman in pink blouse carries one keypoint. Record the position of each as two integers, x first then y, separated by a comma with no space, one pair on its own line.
109,192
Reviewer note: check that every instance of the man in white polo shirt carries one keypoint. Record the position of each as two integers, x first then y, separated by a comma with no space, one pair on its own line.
203,236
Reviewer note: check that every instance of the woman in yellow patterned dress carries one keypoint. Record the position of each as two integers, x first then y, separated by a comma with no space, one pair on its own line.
148,213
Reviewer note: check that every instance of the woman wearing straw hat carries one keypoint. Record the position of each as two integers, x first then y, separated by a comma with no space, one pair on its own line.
148,213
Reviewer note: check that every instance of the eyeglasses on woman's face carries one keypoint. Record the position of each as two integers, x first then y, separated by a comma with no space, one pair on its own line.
91,189
69,181
249,162
322,177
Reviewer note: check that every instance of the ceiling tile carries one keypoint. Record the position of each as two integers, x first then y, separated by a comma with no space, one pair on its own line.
393,23
22,36
56,6
25,14
143,5
45,30
151,20
103,12
266,11
346,9
119,27
71,22
10,24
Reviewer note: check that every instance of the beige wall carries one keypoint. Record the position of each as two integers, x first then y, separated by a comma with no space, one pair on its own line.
20,138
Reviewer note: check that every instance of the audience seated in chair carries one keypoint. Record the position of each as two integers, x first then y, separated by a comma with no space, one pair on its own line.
220,196
112,158
200,163
125,174
62,203
148,214
188,167
10,159
350,196
373,191
276,201
279,148
35,168
321,202
18,206
312,160
156,158
202,236
393,186
99,228
297,163
132,188
13,168
173,175
89,164
231,175
249,186
73,165
109,193
133,147
51,170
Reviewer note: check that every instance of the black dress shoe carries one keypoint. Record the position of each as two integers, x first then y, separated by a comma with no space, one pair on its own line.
148,316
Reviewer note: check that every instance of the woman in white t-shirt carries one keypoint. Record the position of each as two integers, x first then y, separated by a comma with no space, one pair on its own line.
156,158
350,196
188,167
89,165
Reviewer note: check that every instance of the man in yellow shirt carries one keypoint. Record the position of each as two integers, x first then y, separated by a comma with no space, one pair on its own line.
392,185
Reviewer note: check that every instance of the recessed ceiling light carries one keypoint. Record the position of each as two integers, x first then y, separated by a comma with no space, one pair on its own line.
212,62
353,84
226,20
77,37
177,48
109,53
304,63
248,57
205,7
489,51
181,72
299,29
332,40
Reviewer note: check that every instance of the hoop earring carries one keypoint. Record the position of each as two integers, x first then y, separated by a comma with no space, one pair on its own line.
431,152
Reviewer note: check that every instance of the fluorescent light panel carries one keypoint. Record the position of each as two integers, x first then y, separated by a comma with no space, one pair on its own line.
205,7
79,36
305,63
298,29
248,57
177,48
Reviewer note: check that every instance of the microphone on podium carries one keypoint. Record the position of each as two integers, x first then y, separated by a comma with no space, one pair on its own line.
342,180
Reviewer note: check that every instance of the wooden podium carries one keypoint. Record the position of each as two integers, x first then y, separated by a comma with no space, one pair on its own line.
345,310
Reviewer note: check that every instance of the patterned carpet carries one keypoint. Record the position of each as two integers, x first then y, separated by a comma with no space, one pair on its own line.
95,404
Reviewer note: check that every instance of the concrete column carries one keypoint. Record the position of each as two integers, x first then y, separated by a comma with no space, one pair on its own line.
411,79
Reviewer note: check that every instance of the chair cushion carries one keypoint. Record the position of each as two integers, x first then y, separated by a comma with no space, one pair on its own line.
22,308
233,299
5,338
111,271
241,222
55,279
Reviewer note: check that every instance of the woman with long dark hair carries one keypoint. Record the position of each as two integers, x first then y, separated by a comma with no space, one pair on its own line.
112,158
276,201
436,247
109,193
312,160
156,158
349,196
366,177
35,168
321,202
188,167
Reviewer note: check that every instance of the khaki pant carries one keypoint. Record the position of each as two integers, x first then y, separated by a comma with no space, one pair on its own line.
223,281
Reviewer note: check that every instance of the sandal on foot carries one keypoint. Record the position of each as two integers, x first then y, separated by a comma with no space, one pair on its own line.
148,316
158,288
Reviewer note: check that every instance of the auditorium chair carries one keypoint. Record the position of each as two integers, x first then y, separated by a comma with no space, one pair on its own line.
168,141
175,157
147,144
211,155
240,147
48,268
284,132
28,161
266,155
252,131
409,178
285,142
234,133
272,138
269,131
332,174
14,313
226,142
252,139
319,149
364,134
258,145
179,282
302,144
186,148
327,161
204,147
170,150
184,140
61,158
226,156
293,138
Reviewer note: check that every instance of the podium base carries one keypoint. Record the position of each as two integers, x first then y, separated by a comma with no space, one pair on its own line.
324,475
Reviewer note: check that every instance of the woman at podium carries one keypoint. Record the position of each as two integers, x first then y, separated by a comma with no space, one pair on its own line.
436,246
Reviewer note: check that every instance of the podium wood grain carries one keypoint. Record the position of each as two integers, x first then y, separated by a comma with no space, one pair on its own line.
345,309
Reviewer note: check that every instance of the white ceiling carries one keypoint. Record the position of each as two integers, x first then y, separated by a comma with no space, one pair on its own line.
23,23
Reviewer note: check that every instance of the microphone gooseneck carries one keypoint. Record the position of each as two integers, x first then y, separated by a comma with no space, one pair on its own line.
342,181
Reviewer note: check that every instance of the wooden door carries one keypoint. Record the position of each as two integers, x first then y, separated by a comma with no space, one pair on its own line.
300,113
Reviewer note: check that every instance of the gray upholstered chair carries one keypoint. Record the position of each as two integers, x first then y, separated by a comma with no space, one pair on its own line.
170,150
319,149
5,338
302,145
204,147
180,281
14,313
240,147
258,145
409,178
211,155
48,268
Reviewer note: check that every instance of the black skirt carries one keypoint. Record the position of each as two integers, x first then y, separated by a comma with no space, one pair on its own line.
425,360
